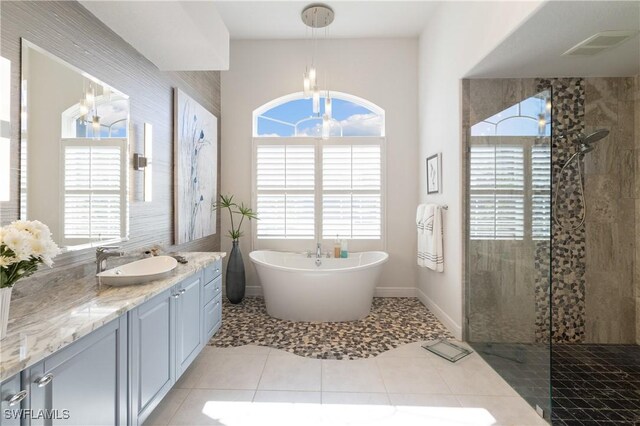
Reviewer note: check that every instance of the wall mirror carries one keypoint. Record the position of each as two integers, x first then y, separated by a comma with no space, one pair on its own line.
74,152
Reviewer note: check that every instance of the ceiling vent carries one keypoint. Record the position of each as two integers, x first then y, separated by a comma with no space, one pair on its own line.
600,42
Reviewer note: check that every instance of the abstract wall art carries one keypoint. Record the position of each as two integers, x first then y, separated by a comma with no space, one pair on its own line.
195,174
434,174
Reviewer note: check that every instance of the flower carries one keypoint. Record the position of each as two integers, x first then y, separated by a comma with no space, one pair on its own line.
6,261
23,246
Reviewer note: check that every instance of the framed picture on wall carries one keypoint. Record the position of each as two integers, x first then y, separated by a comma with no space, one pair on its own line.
434,173
196,169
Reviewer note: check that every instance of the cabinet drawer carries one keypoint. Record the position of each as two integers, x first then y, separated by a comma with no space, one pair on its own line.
212,271
212,315
212,290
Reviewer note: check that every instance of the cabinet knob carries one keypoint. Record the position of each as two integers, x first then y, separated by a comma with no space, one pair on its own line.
44,380
17,398
217,269
175,296
183,291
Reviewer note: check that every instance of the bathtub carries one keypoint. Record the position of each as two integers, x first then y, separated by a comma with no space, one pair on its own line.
296,289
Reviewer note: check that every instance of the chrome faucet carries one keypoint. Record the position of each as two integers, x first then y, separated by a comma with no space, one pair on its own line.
318,250
103,253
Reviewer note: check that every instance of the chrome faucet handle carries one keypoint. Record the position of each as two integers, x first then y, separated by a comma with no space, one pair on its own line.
328,254
105,249
309,253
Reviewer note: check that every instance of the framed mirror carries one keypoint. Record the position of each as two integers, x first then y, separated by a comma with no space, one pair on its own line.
74,152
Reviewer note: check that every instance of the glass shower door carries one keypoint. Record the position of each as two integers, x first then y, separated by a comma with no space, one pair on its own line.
508,199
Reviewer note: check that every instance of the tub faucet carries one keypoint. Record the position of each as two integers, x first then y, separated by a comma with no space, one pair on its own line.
102,254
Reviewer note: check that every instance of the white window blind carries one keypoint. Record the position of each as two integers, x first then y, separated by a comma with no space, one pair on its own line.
541,192
93,208
285,184
497,192
351,197
312,189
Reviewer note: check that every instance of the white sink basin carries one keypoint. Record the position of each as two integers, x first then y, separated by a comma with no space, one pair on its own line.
139,272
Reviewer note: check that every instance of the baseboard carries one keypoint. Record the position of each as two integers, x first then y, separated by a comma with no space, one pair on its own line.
253,290
395,292
448,322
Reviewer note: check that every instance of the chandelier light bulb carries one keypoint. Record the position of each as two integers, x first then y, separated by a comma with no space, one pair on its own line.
316,100
312,76
84,109
307,86
89,96
326,127
327,106
95,123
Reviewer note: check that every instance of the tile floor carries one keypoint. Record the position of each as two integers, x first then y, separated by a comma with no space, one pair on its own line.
255,385
596,384
392,322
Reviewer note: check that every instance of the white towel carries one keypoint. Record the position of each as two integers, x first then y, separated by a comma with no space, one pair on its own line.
430,250
420,229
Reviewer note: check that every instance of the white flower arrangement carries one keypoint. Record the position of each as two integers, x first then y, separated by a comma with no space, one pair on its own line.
24,245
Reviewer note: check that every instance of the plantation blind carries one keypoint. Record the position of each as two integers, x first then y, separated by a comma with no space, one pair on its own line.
351,191
541,192
497,192
285,185
94,207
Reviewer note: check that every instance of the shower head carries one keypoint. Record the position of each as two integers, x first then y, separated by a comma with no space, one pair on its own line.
585,147
593,137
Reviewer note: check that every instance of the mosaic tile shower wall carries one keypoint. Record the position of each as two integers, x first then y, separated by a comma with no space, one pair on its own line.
568,245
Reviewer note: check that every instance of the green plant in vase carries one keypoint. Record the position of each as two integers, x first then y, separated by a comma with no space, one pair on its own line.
236,282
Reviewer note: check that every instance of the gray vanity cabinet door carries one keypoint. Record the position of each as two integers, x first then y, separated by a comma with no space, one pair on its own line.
188,322
152,354
84,383
12,395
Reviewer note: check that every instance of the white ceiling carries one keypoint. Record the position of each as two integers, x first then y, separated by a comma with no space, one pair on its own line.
535,49
174,35
354,19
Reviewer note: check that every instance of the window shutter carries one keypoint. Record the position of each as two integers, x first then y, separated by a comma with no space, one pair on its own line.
285,181
351,200
541,189
497,192
92,200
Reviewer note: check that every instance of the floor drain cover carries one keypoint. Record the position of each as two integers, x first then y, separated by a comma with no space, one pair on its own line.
447,350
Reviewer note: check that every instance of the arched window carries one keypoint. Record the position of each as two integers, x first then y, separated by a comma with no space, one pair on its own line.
292,116
306,187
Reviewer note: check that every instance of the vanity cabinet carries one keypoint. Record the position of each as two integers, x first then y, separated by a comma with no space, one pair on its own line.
12,399
83,384
166,334
212,300
117,374
152,354
189,316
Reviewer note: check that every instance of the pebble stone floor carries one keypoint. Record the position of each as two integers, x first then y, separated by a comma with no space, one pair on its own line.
392,322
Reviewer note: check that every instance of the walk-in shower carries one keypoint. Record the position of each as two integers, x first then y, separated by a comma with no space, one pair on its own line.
586,144
552,261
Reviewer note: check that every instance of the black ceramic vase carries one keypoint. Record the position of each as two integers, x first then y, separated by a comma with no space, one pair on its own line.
235,275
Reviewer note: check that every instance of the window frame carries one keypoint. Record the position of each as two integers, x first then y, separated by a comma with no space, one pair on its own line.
527,144
302,245
257,113
122,144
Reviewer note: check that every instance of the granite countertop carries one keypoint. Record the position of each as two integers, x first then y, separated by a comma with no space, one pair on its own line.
69,308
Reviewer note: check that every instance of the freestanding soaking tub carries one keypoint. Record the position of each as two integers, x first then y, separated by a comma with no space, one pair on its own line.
296,289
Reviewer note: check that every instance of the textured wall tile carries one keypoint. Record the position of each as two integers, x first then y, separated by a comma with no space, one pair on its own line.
69,31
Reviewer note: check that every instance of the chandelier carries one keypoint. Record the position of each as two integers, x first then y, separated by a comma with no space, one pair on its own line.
317,16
